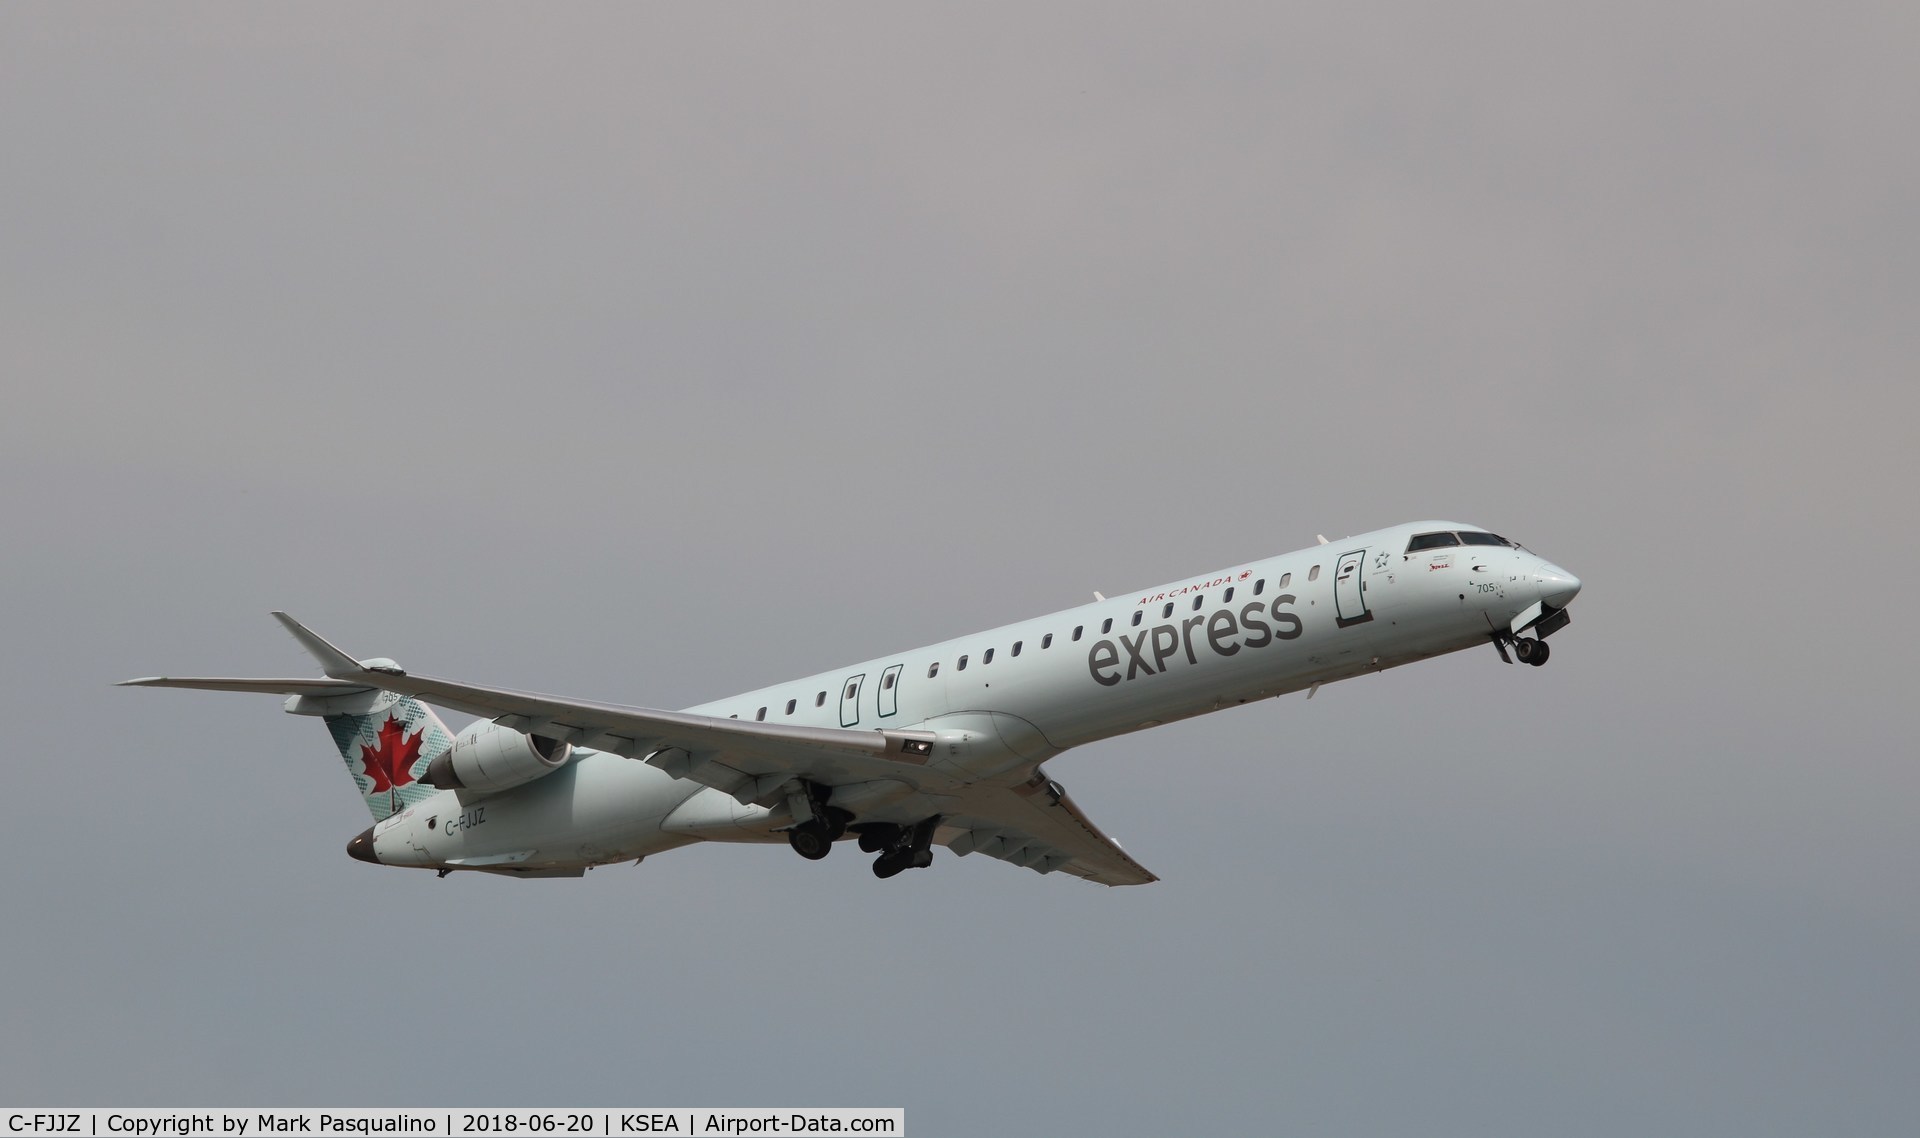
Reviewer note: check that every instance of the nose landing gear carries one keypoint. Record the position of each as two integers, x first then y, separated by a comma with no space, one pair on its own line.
1530,650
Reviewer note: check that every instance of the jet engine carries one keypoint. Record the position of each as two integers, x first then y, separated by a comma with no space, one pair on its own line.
496,759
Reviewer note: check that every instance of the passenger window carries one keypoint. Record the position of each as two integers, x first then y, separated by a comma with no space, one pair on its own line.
886,681
1164,613
761,716
1196,602
1285,580
1431,541
820,700
1137,614
1046,642
1313,574
961,666
853,689
1016,647
986,657
791,704
933,669
1076,630
1227,599
1106,626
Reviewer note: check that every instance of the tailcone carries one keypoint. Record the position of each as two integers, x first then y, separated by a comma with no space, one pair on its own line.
361,847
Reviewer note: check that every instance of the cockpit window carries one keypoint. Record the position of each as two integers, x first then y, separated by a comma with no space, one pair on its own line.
1431,541
1468,537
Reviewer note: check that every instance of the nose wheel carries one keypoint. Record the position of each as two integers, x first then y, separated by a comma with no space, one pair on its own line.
1530,649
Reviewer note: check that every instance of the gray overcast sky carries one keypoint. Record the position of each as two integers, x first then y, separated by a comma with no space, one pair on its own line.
651,353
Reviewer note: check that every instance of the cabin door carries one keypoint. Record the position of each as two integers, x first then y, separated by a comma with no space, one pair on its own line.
1349,592
850,700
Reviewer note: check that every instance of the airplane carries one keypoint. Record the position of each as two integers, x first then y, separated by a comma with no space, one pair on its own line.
941,745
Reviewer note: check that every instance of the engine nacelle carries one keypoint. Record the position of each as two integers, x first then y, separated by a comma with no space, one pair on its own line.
496,759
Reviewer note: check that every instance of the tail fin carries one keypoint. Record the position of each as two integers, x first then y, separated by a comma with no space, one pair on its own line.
387,739
387,747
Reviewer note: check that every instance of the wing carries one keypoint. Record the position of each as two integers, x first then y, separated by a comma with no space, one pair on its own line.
1037,826
750,761
753,762
1032,823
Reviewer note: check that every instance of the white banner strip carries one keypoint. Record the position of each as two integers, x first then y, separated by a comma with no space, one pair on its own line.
683,1122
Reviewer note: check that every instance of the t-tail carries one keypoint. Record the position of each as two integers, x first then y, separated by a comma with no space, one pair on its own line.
386,739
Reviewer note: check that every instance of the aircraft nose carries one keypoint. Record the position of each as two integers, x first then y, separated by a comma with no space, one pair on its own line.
1557,586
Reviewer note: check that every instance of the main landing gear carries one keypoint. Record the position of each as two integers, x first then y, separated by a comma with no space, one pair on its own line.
813,839
899,847
824,825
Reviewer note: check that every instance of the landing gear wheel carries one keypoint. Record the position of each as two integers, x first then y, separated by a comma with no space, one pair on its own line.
1539,653
907,847
879,836
836,822
1524,649
811,840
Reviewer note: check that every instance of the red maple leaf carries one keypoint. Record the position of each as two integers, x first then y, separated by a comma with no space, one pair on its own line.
387,764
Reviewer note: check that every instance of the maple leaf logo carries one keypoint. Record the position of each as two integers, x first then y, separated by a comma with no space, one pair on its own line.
388,764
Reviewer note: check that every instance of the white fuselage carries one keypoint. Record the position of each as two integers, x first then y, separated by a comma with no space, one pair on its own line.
1029,690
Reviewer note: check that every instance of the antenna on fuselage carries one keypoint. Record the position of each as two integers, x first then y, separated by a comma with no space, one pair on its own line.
1322,537
1098,596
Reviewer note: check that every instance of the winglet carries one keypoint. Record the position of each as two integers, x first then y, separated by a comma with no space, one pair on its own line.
333,662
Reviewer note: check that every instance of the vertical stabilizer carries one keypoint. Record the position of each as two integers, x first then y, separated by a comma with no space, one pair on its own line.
387,747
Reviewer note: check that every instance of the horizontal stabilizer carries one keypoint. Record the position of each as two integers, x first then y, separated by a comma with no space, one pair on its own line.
313,687
332,661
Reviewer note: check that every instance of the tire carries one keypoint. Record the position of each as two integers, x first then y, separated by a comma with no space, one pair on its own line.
810,841
875,838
